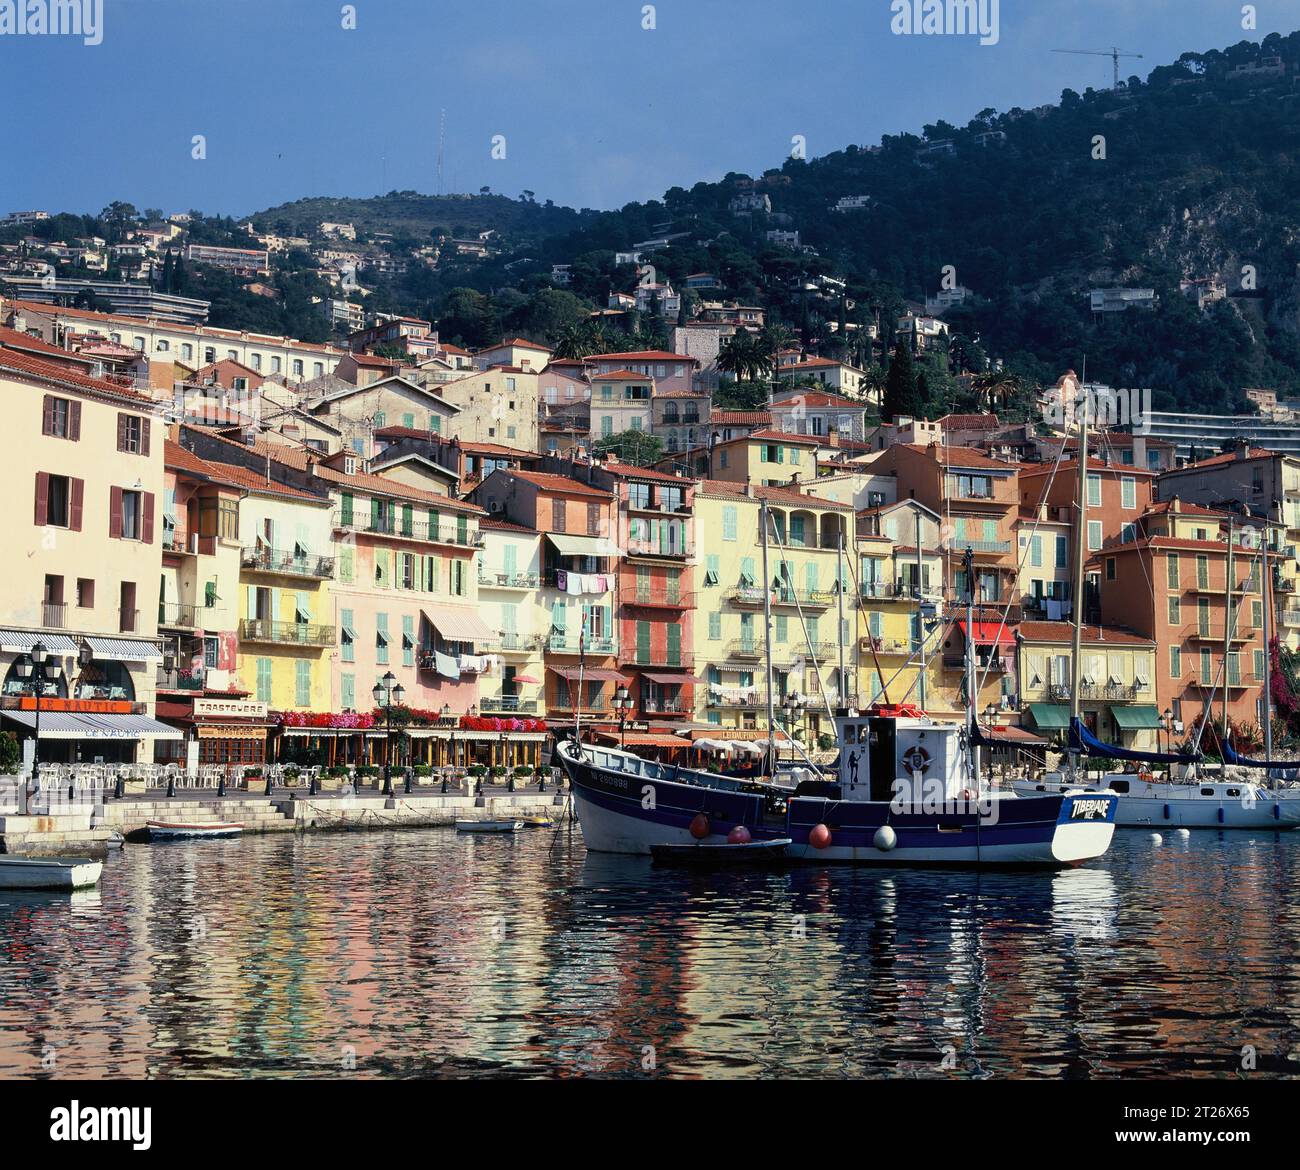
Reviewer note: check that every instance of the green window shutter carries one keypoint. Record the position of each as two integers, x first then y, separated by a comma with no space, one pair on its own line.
381,644
408,525
747,570
782,627
796,529
713,571
762,453
510,560
345,508
348,648
810,577
1062,554
433,533
715,627
874,623
408,640
643,641
1036,551
346,563
462,529
558,615
729,523
252,602
435,423
608,622
674,645
302,684
348,692
812,630
510,619
408,421
374,514
434,574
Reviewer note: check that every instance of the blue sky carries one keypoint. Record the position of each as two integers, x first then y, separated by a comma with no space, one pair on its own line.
596,111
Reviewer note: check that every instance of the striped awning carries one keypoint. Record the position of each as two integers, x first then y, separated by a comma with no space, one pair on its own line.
124,650
78,725
583,546
590,674
459,625
21,641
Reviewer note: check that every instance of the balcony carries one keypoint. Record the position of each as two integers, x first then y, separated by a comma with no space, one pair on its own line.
807,598
742,699
565,703
745,648
749,596
819,650
183,542
285,633
656,657
890,646
459,535
522,643
568,644
489,580
508,705
175,616
980,547
665,707
128,621
661,600
1112,692
1291,617
658,550
286,562
54,615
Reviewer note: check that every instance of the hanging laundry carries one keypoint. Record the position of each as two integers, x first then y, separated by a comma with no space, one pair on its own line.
446,666
562,581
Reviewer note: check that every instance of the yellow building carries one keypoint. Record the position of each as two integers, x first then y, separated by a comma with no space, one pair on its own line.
804,573
84,465
765,458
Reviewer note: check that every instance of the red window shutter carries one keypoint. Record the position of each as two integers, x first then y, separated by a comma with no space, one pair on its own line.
42,497
147,509
144,435
76,498
47,415
115,513
121,431
74,420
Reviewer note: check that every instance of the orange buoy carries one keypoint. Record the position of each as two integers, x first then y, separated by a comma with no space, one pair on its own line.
700,826
819,837
739,836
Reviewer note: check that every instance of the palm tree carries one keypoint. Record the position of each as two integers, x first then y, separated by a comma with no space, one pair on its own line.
995,385
736,357
574,342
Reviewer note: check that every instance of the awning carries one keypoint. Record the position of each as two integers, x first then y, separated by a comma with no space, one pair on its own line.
645,739
123,650
590,674
21,641
987,633
583,546
1139,717
670,680
75,725
1019,734
1049,716
459,625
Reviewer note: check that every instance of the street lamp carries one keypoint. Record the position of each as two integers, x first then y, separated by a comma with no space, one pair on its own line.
1169,728
388,692
36,669
793,705
622,704
990,714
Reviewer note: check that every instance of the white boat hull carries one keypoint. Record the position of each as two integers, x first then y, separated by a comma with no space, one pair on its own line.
1181,806
48,873
177,831
488,826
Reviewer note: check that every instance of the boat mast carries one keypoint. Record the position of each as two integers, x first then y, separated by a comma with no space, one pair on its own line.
1266,580
920,602
767,641
1227,627
1080,544
839,593
972,716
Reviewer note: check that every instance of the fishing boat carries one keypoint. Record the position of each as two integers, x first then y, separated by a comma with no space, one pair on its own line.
187,830
907,790
48,873
537,821
488,826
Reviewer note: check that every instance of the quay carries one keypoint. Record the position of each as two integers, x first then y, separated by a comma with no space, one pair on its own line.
86,825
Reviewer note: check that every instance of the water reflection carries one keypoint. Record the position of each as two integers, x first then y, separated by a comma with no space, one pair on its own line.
417,954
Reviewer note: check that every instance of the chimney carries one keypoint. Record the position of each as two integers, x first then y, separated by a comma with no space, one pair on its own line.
1242,448
1175,505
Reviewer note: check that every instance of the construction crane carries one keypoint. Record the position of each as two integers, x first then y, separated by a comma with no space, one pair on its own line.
1113,53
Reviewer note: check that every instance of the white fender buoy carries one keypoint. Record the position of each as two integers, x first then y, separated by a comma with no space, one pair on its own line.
885,838
1182,832
1157,839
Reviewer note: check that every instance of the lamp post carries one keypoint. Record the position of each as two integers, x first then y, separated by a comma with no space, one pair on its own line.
990,714
387,692
36,669
1169,728
622,704
793,704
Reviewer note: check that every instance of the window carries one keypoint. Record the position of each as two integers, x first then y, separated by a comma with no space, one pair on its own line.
782,628
55,499
712,571
1128,533
1094,491
1127,492
715,627
348,692
61,417
348,637
211,649
302,683
1171,568
558,515
1036,551
381,639
263,680
1259,663
85,593
1110,568
593,519
1094,535
1062,553
132,515
1175,612
729,523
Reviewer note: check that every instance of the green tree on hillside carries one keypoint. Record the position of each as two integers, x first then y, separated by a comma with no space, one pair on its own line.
902,395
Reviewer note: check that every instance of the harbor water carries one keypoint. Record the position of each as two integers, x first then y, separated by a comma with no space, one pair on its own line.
428,953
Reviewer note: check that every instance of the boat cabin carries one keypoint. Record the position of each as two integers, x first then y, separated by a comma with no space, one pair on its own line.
913,759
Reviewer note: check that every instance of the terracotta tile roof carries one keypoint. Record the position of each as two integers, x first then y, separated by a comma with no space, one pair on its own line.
740,418
775,436
630,471
644,355
969,422
679,393
299,458
372,362
13,339
816,398
178,458
496,524
380,485
1187,509
1230,457
25,364
1091,635
517,342
774,495
621,376
559,483
1093,464
960,456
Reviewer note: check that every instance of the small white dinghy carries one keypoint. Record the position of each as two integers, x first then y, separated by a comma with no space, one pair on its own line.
488,826
48,873
179,830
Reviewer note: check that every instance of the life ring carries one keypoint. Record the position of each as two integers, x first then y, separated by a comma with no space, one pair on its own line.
916,759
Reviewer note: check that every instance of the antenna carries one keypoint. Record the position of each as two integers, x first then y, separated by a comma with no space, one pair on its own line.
1113,53
442,139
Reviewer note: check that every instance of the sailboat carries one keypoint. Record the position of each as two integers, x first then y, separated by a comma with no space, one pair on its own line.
1144,801
907,791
